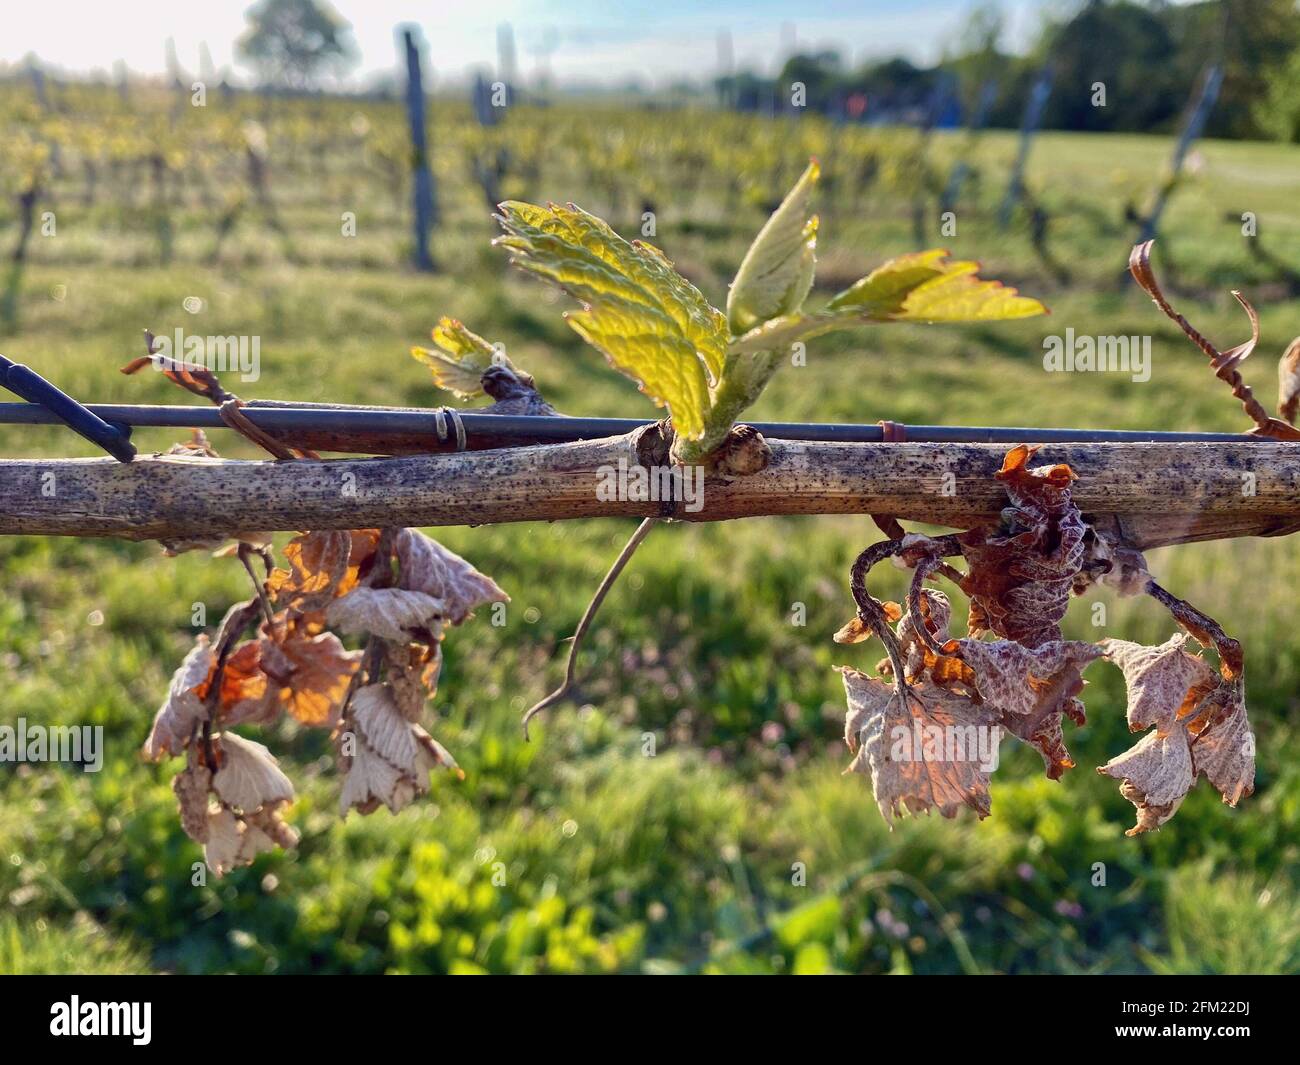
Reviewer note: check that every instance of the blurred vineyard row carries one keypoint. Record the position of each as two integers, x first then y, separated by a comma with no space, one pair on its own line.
738,846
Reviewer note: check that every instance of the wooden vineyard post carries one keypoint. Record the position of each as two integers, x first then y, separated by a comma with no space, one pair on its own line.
1034,109
422,177
1196,119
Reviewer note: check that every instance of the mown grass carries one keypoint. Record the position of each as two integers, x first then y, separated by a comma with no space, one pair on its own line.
738,846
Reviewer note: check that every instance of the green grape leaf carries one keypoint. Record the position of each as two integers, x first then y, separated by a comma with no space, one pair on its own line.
459,358
926,287
649,322
777,271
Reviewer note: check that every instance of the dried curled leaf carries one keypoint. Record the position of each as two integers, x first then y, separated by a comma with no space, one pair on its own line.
1157,774
1032,689
1200,723
933,750
249,778
1288,382
390,613
247,695
192,786
311,674
1021,573
392,758
184,710
413,670
318,563
424,565
1164,683
234,841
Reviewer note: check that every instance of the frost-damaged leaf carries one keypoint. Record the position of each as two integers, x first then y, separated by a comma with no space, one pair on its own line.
1021,573
856,631
392,613
235,841
249,777
183,711
934,753
1156,775
1224,748
1031,689
460,359
392,757
926,287
641,314
1288,382
424,565
247,695
1164,683
312,674
191,787
777,271
1200,725
413,670
318,565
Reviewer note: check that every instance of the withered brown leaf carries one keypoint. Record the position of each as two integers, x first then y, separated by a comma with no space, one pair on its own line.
392,758
183,711
1199,717
323,565
390,613
1021,572
424,565
312,673
934,751
1032,689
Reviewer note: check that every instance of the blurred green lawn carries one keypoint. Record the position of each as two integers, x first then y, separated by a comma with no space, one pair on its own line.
738,846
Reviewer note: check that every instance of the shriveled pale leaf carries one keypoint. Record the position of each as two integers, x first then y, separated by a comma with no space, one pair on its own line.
856,631
853,631
318,565
923,755
183,711
235,841
1021,572
370,782
1192,707
927,287
192,787
312,673
777,271
393,755
1032,690
1288,382
648,321
249,777
392,613
413,670
424,565
936,614
1224,749
1164,683
247,694
1157,774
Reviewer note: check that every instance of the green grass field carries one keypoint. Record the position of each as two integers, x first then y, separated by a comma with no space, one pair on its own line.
739,846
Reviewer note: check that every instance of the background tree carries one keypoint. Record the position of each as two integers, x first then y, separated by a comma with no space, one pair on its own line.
292,42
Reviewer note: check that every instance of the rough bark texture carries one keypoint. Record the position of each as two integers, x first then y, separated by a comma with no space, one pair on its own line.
1161,493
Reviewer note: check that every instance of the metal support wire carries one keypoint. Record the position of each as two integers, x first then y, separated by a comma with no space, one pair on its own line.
475,431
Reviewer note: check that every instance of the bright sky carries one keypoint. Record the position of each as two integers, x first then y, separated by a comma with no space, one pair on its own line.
576,40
